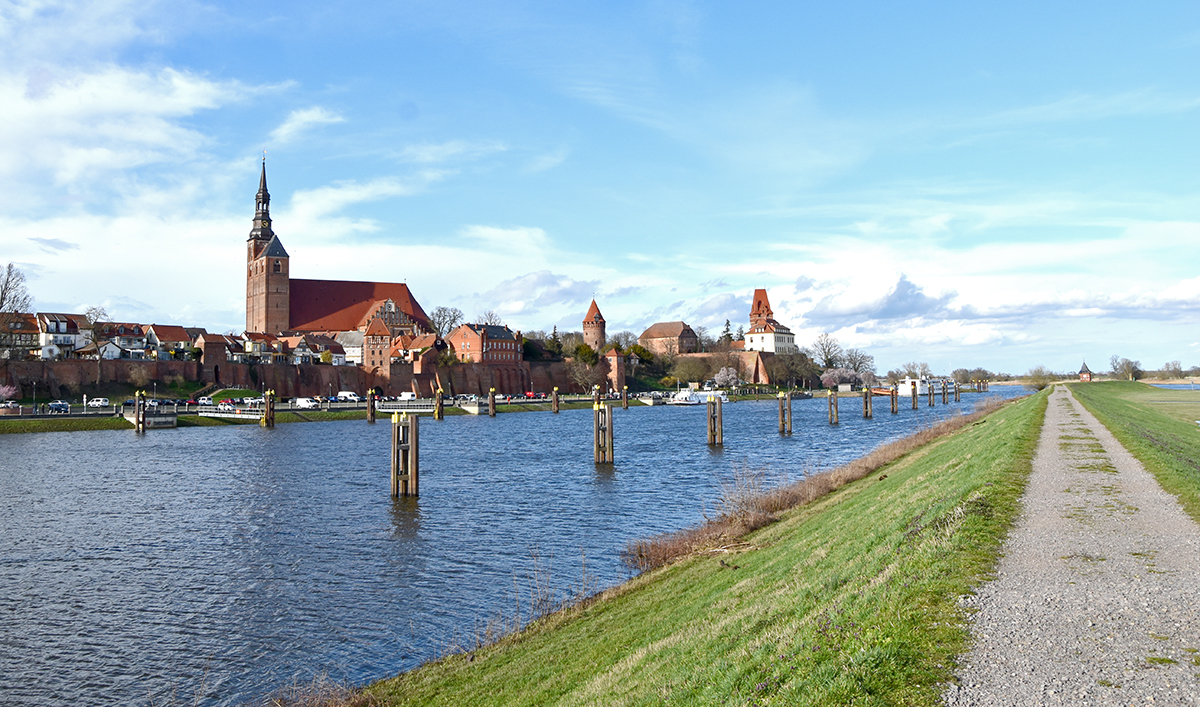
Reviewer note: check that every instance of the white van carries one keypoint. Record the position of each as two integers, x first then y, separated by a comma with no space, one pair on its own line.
348,396
407,396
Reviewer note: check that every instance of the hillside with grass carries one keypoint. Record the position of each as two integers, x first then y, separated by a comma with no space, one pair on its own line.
852,597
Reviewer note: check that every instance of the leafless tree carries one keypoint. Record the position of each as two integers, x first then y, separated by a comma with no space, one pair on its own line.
827,351
624,339
14,300
915,369
858,361
445,319
1172,369
94,319
1124,368
489,317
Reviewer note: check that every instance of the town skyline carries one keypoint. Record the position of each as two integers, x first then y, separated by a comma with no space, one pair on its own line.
962,189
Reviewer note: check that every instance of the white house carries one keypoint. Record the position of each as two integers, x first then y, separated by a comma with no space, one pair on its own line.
766,334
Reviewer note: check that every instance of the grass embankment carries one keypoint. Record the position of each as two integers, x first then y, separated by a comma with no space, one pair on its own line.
1156,425
851,598
64,424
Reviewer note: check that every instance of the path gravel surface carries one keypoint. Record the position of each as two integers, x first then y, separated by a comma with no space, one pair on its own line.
1097,597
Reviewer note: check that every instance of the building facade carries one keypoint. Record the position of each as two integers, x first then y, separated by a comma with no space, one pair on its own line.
669,339
766,334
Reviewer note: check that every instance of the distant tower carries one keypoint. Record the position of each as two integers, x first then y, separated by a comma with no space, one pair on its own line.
268,284
760,311
593,327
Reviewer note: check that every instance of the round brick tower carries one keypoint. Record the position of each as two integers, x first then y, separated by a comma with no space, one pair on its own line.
593,327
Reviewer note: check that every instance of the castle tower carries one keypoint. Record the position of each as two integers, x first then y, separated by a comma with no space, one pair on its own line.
268,284
593,327
760,311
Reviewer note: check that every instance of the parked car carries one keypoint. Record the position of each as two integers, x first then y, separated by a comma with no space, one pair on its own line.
61,407
306,403
348,396
130,402
205,400
98,403
226,406
9,404
190,402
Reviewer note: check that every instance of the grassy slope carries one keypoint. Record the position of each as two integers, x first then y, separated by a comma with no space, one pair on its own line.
851,599
64,424
1158,427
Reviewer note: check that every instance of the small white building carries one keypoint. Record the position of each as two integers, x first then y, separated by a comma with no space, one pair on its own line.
766,334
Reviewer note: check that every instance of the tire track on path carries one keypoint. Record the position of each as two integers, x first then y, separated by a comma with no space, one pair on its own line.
1097,597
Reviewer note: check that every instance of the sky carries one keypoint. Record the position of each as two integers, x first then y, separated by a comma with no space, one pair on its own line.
1002,187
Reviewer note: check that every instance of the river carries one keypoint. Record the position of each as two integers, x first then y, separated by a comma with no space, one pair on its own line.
216,565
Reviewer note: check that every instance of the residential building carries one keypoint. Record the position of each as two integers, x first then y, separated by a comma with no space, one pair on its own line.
168,342
485,343
60,334
19,337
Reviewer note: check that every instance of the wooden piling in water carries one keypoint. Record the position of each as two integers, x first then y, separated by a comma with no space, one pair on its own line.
268,417
867,412
894,395
624,397
439,406
554,399
370,407
929,390
602,433
405,456
139,412
716,423
944,391
914,394
833,407
785,413
491,402
957,392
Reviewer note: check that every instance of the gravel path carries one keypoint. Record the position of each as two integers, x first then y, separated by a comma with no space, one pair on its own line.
1097,598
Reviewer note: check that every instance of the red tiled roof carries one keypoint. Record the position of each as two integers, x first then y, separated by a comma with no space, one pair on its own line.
167,332
593,313
377,328
666,330
339,305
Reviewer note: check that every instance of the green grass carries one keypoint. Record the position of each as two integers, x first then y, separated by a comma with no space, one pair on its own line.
64,424
1157,426
231,393
851,599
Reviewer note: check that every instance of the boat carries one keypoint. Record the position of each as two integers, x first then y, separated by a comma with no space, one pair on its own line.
684,397
706,396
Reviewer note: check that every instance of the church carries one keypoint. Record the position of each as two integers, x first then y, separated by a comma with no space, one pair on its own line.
277,303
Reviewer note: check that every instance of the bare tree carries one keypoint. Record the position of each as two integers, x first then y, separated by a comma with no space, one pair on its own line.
1172,369
489,317
1039,377
1124,368
827,351
445,319
94,318
14,300
624,339
914,369
858,361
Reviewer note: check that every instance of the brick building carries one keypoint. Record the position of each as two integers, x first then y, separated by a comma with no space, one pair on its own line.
669,339
593,328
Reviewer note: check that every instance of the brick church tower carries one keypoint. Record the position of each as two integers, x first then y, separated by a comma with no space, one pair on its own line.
268,284
593,327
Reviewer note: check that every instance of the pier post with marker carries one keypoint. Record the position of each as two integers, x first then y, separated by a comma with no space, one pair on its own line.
930,392
491,402
554,399
944,391
439,406
268,416
370,407
914,394
957,392
405,455
894,394
867,393
833,407
624,397
785,413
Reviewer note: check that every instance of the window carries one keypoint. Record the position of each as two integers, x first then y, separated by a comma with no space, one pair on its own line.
278,266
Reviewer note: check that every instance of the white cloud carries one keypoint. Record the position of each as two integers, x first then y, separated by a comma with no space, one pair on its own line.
430,153
301,120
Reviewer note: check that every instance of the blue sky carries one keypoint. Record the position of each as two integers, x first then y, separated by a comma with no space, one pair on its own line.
1002,187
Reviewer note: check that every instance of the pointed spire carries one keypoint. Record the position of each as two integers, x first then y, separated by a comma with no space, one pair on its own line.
262,208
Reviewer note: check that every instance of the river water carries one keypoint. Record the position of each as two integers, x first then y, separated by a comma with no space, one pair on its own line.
214,566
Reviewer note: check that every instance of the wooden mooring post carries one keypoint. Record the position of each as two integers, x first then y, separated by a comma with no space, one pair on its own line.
833,407
491,402
914,394
139,412
268,416
554,399
929,390
406,456
785,413
957,392
894,395
944,391
867,402
439,406
370,407
716,423
624,397
602,433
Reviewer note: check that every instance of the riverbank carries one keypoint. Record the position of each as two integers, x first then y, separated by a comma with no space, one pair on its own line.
852,596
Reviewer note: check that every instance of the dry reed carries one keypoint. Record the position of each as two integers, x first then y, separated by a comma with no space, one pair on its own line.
746,506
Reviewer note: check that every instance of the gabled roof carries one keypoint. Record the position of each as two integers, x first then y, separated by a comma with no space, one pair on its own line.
274,249
340,305
493,332
593,314
667,330
1085,369
22,322
168,332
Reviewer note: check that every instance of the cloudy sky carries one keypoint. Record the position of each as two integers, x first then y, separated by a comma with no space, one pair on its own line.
1001,187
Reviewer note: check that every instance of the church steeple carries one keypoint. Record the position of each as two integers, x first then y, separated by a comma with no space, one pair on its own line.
262,210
